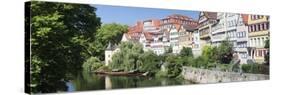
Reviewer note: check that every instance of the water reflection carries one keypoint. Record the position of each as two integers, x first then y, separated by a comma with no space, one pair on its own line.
87,81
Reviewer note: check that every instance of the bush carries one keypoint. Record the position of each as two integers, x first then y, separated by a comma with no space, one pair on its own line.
224,52
224,67
210,53
255,68
200,62
92,64
186,51
104,69
173,69
149,62
161,74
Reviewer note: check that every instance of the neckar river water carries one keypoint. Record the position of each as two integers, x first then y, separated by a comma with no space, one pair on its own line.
88,81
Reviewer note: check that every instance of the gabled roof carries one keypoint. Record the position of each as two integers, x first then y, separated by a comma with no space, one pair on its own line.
148,35
178,27
211,15
190,27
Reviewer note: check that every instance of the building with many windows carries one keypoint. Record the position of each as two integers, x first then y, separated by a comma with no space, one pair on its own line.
206,21
258,28
186,36
242,38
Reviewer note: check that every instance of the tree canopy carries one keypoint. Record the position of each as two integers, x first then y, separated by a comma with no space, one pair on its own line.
60,34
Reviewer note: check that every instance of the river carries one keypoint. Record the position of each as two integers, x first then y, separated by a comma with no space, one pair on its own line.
87,81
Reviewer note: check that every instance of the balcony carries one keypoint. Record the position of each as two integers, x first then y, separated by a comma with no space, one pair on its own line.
240,49
205,35
258,33
243,39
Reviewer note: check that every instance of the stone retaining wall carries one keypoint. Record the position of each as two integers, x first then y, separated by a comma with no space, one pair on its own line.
208,76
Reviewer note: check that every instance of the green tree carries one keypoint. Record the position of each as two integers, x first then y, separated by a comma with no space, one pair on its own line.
186,51
150,62
108,33
210,53
225,52
128,58
92,64
173,65
60,35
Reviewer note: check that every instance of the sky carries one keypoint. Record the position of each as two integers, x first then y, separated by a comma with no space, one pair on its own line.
130,15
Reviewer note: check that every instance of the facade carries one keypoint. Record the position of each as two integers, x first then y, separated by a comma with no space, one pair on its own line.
206,21
174,32
232,27
247,33
258,28
152,32
242,39
186,36
196,48
174,38
110,50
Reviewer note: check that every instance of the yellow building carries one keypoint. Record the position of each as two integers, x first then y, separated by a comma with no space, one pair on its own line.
258,26
186,36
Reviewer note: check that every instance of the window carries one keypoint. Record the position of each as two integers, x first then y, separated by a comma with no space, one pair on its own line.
256,53
264,52
266,26
261,26
257,27
253,28
263,41
254,43
258,42
260,52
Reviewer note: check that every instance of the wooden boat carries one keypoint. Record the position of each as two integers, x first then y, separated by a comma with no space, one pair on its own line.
121,73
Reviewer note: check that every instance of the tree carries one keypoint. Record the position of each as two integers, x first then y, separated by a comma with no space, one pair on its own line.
186,51
108,33
60,35
225,52
173,65
92,64
150,62
210,53
128,58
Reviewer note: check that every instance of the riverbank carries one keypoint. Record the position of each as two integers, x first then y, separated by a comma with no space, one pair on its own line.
197,75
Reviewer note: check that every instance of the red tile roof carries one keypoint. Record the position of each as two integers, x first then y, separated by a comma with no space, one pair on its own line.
178,26
148,35
179,16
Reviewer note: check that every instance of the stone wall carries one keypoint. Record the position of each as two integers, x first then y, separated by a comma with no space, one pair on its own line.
208,76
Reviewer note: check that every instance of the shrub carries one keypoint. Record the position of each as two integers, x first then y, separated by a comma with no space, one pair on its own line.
225,52
186,51
161,74
173,70
255,68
